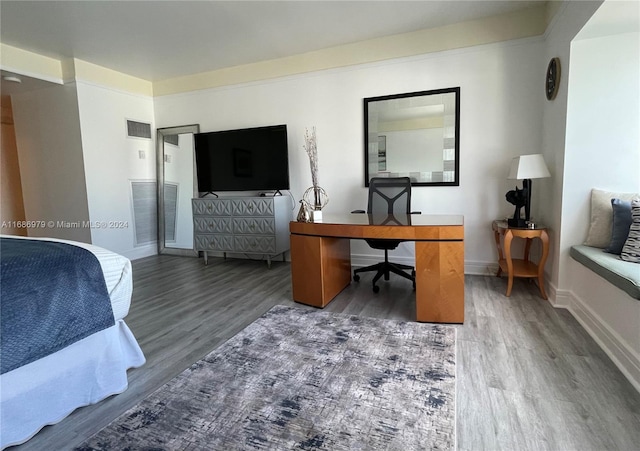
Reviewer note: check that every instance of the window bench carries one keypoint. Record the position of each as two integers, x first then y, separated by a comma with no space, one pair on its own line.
608,304
624,275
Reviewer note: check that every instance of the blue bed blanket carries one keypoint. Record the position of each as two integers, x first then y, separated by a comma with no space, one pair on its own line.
51,295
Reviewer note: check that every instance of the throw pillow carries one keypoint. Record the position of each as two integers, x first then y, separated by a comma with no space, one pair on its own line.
601,222
621,224
631,249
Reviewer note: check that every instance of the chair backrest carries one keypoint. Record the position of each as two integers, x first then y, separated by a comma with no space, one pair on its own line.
389,195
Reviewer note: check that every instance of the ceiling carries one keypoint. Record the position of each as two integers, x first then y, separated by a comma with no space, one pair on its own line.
158,40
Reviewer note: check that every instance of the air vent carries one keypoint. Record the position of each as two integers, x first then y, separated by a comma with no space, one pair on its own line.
171,139
143,199
138,130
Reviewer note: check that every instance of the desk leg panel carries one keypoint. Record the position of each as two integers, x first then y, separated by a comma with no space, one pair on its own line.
320,268
440,281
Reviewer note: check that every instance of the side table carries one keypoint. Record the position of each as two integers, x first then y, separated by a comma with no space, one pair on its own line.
520,267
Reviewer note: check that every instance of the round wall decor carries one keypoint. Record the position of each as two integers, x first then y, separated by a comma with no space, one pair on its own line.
552,81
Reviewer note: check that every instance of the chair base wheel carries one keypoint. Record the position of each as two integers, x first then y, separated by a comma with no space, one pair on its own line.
376,288
356,278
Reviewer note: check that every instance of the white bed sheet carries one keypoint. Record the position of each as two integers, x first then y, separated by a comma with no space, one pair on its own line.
46,391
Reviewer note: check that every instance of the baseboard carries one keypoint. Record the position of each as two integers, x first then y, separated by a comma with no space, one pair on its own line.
625,358
480,268
141,251
558,298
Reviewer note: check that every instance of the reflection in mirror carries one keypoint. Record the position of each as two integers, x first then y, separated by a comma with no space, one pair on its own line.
413,135
176,187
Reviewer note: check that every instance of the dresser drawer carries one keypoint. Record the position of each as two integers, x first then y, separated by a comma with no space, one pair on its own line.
258,206
222,243
254,226
253,244
217,207
213,224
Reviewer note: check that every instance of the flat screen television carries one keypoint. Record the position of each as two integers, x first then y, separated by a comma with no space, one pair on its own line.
249,159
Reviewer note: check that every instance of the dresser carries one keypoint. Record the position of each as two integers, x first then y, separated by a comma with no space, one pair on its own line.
242,225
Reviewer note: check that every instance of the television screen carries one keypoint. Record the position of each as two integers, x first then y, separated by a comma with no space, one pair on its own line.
251,159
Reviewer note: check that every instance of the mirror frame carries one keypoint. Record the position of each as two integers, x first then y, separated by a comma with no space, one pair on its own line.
160,134
456,91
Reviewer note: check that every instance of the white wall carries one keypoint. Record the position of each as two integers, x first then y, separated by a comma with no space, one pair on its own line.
501,117
548,193
111,161
603,130
51,162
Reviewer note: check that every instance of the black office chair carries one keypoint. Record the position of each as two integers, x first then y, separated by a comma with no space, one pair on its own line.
388,196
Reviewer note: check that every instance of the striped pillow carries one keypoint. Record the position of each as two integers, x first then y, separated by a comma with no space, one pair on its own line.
631,249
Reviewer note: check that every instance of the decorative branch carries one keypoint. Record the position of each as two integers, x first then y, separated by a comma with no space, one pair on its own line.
311,146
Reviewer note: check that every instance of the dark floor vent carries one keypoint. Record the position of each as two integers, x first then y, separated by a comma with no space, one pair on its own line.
138,130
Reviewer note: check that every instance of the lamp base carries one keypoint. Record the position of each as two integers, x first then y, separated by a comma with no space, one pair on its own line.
517,222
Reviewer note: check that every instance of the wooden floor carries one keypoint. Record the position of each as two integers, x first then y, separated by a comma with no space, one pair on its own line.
528,376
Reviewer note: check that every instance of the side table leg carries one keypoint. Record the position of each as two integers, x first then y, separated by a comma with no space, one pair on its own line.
544,237
527,248
508,236
496,236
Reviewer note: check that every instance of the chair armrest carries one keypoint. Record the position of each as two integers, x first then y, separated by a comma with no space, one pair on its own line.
416,212
358,211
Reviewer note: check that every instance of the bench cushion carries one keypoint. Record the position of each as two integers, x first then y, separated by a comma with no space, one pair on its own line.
601,221
624,275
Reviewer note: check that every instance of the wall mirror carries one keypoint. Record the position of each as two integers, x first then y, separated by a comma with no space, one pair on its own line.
177,185
413,135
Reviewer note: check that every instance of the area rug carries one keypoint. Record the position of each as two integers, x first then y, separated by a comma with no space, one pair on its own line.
305,380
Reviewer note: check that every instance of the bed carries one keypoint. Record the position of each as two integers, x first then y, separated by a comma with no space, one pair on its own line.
44,387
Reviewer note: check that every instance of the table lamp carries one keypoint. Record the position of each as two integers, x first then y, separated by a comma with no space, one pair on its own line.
525,168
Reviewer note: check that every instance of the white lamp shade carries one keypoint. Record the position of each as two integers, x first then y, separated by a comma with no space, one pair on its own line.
528,167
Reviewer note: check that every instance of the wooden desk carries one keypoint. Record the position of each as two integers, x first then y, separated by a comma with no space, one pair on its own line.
520,267
321,259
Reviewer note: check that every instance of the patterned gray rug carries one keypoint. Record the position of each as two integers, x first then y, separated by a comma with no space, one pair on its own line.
304,379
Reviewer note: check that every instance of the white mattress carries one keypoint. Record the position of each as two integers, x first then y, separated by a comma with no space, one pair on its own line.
47,390
117,274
